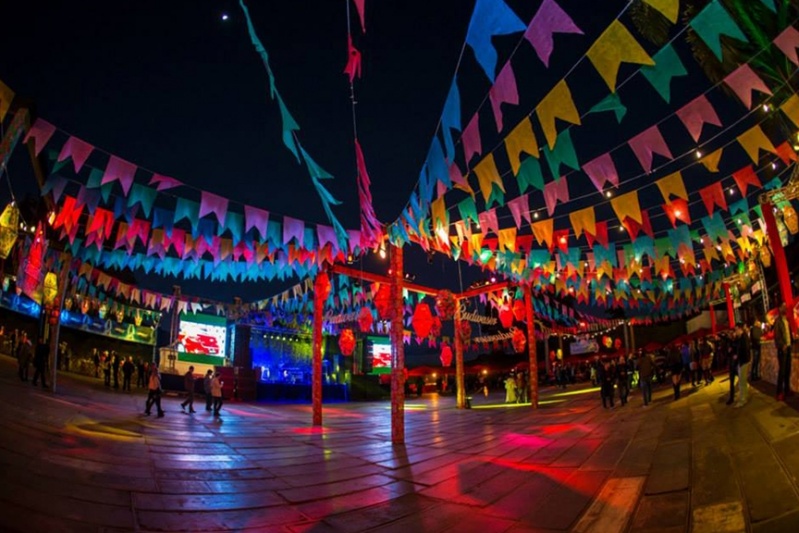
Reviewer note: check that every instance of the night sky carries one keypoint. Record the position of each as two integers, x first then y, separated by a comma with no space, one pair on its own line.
176,89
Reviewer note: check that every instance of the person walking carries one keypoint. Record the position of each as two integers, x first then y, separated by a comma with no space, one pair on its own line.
674,361
216,392
188,384
646,368
127,373
24,355
782,340
117,362
209,377
744,361
40,363
755,336
622,376
706,361
607,377
106,369
154,392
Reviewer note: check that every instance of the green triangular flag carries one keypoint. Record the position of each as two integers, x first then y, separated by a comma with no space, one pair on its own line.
530,175
713,22
611,103
563,153
667,66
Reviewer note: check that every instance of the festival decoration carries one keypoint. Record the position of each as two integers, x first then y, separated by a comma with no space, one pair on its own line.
445,304
446,355
9,227
607,342
519,312
790,219
617,343
365,319
49,288
465,331
382,301
518,340
422,320
435,328
346,342
31,266
506,316
765,256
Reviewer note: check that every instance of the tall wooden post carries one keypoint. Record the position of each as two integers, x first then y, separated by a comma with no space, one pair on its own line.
459,381
780,263
730,307
531,347
321,287
55,320
397,349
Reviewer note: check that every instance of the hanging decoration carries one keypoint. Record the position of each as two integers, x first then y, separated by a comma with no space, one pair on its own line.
506,316
519,310
607,342
9,228
346,342
465,331
446,355
50,288
382,301
519,341
790,219
435,329
365,319
445,304
422,320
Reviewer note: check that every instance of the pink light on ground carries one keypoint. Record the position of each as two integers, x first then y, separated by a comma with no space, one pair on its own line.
311,430
528,441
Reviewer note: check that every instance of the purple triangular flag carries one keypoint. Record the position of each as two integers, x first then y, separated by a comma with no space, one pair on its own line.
548,20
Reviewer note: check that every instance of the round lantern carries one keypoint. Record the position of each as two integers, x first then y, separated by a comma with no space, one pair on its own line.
435,329
790,219
607,342
506,316
365,319
617,343
518,310
518,340
422,321
465,332
9,229
765,256
446,355
382,302
346,342
323,284
445,304
50,289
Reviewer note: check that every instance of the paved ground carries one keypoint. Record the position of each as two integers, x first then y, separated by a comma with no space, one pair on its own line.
88,460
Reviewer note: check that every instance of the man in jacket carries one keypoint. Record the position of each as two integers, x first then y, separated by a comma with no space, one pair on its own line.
782,340
188,384
40,357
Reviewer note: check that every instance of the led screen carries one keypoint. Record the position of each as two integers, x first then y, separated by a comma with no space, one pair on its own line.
380,353
202,335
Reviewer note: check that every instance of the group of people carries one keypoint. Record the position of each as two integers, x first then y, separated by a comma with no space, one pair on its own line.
26,354
212,386
516,389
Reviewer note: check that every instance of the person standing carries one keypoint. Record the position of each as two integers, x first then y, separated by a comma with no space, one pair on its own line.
782,340
96,361
188,384
106,369
606,377
154,392
674,361
755,335
646,368
24,355
127,373
744,360
623,380
141,373
209,377
40,363
216,392
510,389
115,367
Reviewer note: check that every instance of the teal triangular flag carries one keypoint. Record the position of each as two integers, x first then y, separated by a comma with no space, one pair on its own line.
530,175
713,22
611,103
563,153
667,66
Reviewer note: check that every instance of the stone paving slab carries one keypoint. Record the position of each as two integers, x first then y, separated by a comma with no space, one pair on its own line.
87,460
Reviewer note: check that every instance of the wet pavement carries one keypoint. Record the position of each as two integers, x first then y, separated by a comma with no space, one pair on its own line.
87,459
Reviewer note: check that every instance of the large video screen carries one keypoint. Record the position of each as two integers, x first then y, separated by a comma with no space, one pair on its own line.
202,335
380,354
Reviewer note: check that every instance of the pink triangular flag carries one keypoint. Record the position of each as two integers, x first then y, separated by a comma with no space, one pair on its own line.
788,42
359,6
743,81
504,91
119,170
78,150
555,191
548,20
164,182
211,203
696,114
602,170
471,138
40,132
520,208
293,229
256,218
647,143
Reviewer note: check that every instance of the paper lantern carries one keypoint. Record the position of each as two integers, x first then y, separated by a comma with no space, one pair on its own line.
346,342
617,343
765,256
445,304
382,302
446,355
790,219
519,311
365,319
435,329
518,340
9,224
465,332
607,342
323,284
422,320
506,316
50,288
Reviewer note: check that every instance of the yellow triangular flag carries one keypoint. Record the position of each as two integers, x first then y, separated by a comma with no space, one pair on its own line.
614,47
476,242
753,140
791,109
583,220
507,239
711,161
521,139
543,231
487,174
438,210
557,104
626,206
669,8
672,184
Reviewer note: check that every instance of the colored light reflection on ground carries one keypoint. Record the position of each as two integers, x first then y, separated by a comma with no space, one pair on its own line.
91,428
576,392
511,405
312,430
528,441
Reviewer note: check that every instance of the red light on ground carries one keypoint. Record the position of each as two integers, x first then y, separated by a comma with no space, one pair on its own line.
313,430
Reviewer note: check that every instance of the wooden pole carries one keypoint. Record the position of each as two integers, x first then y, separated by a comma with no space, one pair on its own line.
319,295
55,322
459,381
531,348
397,349
730,308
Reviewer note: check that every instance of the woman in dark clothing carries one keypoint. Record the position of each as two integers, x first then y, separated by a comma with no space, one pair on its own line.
607,377
623,380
